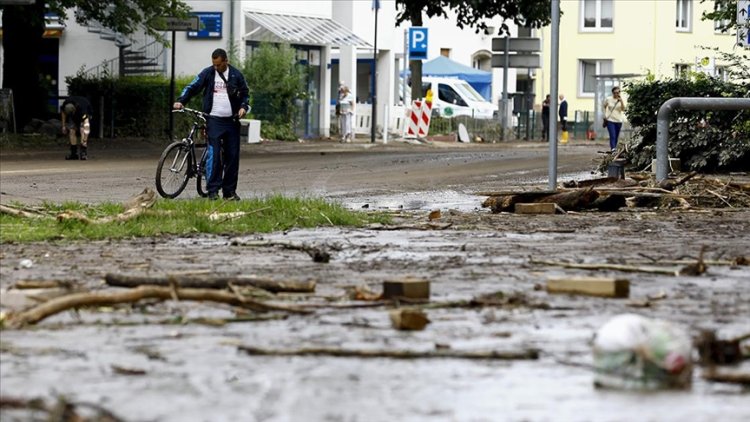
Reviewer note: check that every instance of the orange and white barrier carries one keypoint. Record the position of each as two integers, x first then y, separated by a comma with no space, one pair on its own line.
418,119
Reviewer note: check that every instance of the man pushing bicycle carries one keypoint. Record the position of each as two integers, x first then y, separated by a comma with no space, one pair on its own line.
225,100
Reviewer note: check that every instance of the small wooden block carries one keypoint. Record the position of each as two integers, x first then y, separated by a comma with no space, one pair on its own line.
408,319
540,208
409,287
590,286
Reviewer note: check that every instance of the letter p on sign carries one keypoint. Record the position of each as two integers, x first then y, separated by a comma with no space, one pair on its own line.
417,43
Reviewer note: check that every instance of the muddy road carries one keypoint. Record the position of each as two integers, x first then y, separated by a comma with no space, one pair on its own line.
182,361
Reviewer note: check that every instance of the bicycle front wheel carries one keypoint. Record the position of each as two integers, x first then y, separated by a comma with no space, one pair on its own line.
201,183
174,170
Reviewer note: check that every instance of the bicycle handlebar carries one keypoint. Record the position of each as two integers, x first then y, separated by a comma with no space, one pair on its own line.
196,113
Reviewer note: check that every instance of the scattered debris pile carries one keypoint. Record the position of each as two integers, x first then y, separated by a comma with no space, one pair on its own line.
639,190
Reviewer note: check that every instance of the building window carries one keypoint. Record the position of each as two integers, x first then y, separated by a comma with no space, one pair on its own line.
721,26
596,15
588,69
445,52
722,73
683,13
681,70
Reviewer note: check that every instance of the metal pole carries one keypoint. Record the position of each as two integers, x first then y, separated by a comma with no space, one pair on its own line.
686,103
555,64
374,121
504,118
171,88
403,79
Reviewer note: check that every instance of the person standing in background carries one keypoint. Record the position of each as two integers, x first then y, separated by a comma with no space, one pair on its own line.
545,118
75,115
563,113
347,114
614,114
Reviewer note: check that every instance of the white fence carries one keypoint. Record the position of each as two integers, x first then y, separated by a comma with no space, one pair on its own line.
363,120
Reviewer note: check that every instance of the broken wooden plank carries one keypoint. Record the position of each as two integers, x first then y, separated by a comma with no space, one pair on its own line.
617,267
407,287
540,208
590,286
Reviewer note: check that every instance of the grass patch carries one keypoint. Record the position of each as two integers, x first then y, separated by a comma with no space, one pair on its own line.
185,217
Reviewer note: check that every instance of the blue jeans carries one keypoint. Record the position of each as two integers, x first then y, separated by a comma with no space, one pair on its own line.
614,132
223,161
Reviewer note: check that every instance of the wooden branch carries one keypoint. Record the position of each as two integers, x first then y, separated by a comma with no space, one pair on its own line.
5,209
212,282
617,267
318,254
528,354
42,284
77,300
134,207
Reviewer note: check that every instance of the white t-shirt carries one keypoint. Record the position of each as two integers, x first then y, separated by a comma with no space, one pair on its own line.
221,106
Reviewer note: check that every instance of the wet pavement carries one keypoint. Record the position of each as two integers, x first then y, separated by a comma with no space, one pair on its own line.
194,371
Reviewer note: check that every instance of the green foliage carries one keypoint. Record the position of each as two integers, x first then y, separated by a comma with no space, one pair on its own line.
277,84
703,140
184,217
137,106
531,13
124,16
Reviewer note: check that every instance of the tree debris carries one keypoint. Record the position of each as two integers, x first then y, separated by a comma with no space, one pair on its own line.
78,300
212,282
528,354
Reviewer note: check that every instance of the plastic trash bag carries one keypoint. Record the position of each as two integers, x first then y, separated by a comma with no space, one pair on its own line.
634,352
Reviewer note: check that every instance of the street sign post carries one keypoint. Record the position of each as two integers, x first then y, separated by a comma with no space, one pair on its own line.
417,43
743,23
526,55
172,23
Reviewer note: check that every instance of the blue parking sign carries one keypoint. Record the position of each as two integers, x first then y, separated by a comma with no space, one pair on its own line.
417,43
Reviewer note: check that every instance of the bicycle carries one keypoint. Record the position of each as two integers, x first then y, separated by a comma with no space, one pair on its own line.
180,159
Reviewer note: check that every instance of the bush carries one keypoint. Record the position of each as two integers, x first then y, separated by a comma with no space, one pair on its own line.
133,106
703,140
277,83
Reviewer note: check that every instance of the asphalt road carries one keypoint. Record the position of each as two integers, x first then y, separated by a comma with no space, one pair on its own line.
117,171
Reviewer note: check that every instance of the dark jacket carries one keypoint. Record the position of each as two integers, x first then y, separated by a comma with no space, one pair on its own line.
236,88
563,110
83,109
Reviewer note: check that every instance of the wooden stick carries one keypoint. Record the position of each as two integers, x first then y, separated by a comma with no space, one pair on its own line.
77,300
617,267
728,377
528,354
5,209
212,282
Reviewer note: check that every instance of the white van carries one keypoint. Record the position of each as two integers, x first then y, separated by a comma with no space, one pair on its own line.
455,97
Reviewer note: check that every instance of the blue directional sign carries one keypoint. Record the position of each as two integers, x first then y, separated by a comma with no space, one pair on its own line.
417,43
210,25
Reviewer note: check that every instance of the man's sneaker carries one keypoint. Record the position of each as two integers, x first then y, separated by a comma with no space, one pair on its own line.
213,196
84,155
232,197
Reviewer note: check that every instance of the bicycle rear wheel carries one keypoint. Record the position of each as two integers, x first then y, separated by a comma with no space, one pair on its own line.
174,170
201,182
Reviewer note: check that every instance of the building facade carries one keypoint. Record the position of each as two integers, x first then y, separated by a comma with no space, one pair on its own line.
606,42
336,38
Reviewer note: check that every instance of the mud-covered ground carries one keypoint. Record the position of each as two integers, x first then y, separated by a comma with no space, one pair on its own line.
142,364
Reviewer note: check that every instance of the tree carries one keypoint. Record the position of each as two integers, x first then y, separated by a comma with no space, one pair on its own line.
473,13
725,12
23,28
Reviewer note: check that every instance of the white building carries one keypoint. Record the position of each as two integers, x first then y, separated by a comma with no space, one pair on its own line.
334,37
